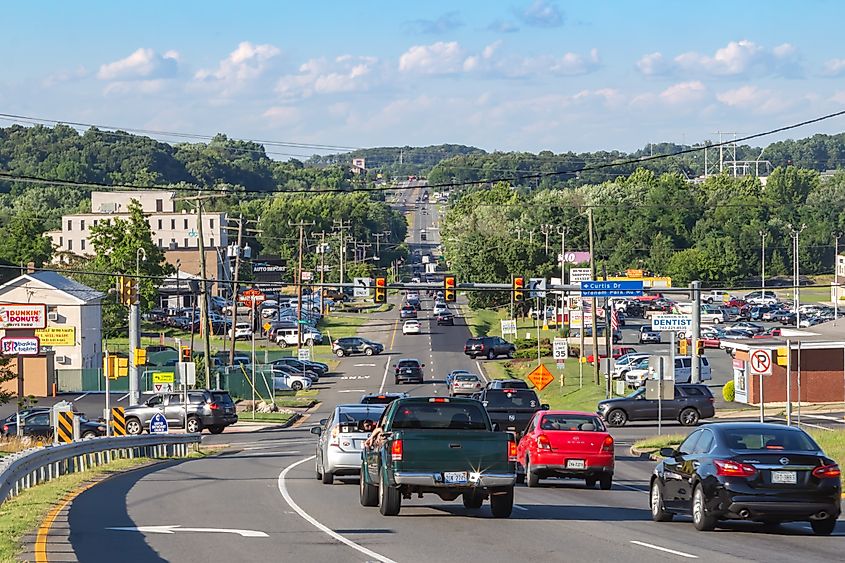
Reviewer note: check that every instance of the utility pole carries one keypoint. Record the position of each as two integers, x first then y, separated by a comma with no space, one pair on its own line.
235,276
593,301
322,252
796,290
763,235
695,364
608,327
546,229
378,244
562,232
301,225
836,235
341,227
135,331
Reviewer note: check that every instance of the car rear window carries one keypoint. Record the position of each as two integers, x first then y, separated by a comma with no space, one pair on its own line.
473,341
223,398
466,377
572,422
512,398
378,399
349,415
769,439
439,416
408,364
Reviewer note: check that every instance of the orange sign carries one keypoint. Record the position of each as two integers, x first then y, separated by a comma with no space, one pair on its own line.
631,273
540,377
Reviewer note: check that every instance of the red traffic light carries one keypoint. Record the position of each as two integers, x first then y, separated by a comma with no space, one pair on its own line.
449,282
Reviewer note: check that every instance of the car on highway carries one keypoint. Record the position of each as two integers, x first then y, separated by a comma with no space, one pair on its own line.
691,403
451,376
411,326
408,312
285,380
38,423
381,398
342,438
211,409
490,347
567,444
649,336
439,308
465,384
438,445
766,473
414,302
507,384
445,318
408,370
511,408
350,345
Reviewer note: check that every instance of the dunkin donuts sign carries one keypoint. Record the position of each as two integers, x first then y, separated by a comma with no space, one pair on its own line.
15,316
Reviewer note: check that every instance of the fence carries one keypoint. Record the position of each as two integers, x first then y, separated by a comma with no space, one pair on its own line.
31,467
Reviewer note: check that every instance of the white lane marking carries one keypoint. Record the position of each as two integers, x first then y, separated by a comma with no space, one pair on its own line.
481,371
630,487
364,365
352,391
384,377
665,549
323,528
516,506
172,529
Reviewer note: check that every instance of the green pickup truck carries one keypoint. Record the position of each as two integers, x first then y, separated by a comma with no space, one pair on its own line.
445,446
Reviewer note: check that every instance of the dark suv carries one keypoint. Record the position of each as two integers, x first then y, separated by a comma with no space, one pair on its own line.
355,345
214,410
408,370
692,402
490,347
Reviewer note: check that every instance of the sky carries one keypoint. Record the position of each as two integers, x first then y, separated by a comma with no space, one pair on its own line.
513,75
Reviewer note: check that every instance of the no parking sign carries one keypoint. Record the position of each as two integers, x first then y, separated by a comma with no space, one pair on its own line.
760,361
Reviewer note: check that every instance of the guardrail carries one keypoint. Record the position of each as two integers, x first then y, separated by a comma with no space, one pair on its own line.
31,467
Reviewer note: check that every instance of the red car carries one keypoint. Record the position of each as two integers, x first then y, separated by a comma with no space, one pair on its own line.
768,334
568,444
616,352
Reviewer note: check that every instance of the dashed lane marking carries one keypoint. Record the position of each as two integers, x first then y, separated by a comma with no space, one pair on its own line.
665,549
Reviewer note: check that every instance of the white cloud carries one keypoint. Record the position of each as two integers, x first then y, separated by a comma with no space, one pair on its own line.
60,77
735,59
346,73
834,67
437,58
282,115
653,64
126,87
752,98
541,13
684,93
143,64
246,63
571,64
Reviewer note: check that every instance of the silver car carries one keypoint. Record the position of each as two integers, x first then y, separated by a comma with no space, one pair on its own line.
342,438
464,384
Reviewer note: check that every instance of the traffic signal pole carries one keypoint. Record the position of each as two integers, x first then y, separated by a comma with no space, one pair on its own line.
695,375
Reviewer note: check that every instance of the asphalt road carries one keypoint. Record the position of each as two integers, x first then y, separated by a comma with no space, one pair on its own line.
266,483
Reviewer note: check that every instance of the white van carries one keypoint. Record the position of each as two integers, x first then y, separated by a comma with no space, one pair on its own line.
712,314
288,336
683,372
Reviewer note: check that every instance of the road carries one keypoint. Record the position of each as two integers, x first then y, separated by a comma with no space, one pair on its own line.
266,483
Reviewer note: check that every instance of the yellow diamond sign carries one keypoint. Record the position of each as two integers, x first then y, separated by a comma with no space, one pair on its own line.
540,377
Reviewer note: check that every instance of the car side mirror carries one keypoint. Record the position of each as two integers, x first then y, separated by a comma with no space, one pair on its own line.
544,407
323,421
668,452
496,427
316,430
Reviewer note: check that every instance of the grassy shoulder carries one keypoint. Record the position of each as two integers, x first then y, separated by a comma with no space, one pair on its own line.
487,322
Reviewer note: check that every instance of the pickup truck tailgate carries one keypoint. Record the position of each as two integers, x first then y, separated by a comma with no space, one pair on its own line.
453,450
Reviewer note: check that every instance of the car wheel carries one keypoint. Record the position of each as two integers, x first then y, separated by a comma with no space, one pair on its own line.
491,355
328,477
689,417
510,353
133,426
700,519
368,494
532,479
658,512
472,500
502,504
396,381
617,417
339,353
389,498
296,386
88,435
823,527
217,429
606,481
368,352
591,482
193,425
317,470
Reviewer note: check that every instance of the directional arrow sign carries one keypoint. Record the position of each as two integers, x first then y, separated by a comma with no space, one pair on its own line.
361,287
177,528
538,287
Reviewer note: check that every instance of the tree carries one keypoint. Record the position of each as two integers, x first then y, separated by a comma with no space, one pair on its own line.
6,374
24,241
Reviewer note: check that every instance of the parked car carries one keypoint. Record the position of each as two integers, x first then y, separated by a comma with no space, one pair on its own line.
241,331
717,296
445,318
381,398
214,410
648,336
692,402
683,372
761,297
286,380
408,370
37,422
766,473
411,326
755,328
712,314
350,345
307,336
574,445
616,352
342,438
280,368
465,384
632,362
490,347
319,368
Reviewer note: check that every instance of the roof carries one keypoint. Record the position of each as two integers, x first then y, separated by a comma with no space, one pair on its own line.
79,291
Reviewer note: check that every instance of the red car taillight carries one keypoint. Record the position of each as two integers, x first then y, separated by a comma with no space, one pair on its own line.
511,451
334,440
5,428
543,442
396,450
607,445
214,406
827,471
729,468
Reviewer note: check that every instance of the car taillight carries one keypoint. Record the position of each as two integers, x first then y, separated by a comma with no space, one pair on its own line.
214,406
511,451
729,468
712,400
607,445
827,471
5,428
478,385
543,442
438,400
396,450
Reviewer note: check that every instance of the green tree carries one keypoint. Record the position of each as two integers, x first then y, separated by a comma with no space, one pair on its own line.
24,241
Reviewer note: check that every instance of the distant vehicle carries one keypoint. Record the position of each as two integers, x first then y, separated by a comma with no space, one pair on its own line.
755,328
762,297
211,409
616,352
465,384
319,368
490,347
691,404
342,438
38,423
633,362
511,408
648,336
683,372
411,326
289,336
445,318
241,331
508,384
766,473
408,312
280,368
355,345
451,376
440,308
712,314
574,445
717,296
616,336
286,380
408,370
423,234
382,398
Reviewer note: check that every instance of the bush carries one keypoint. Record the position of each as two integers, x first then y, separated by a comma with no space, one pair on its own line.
728,391
529,353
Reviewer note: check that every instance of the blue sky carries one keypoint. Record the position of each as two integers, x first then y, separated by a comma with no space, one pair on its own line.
525,75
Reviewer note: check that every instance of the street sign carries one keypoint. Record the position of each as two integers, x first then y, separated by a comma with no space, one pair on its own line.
158,424
671,322
252,297
163,381
25,346
361,287
577,275
304,355
760,361
540,377
611,288
187,373
307,275
162,388
537,287
560,351
508,326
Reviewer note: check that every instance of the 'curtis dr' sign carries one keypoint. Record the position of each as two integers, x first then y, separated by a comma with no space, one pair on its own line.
15,316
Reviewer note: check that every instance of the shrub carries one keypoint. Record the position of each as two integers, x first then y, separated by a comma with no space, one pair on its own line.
728,391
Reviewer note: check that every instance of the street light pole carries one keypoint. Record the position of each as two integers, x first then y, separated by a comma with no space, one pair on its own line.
135,333
763,235
836,235
796,290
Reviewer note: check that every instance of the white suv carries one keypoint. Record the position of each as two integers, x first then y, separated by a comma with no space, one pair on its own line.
762,297
683,372
288,336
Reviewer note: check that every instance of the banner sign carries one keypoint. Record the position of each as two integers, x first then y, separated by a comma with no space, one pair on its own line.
13,316
57,336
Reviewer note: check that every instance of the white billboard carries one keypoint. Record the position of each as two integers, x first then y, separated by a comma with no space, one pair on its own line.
14,316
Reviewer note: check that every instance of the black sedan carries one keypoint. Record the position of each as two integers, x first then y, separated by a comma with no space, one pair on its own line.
747,471
38,423
445,318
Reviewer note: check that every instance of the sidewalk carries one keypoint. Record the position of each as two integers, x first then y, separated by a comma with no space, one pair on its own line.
774,408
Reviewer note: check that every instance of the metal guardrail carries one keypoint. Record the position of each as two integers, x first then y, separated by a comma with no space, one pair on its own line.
31,467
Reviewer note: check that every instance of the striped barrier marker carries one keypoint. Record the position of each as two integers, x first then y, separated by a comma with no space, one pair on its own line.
118,421
64,428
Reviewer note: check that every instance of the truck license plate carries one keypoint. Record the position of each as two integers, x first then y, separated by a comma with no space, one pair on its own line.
784,477
575,464
455,477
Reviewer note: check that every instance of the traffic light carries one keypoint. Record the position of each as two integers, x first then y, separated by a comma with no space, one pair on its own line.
127,290
140,356
186,354
115,367
683,344
699,344
449,293
380,295
518,286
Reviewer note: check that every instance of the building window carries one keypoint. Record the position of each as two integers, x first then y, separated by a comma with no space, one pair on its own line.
159,206
82,244
69,225
82,224
173,224
61,241
186,224
95,222
159,243
186,243
70,244
159,224
211,223
211,242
